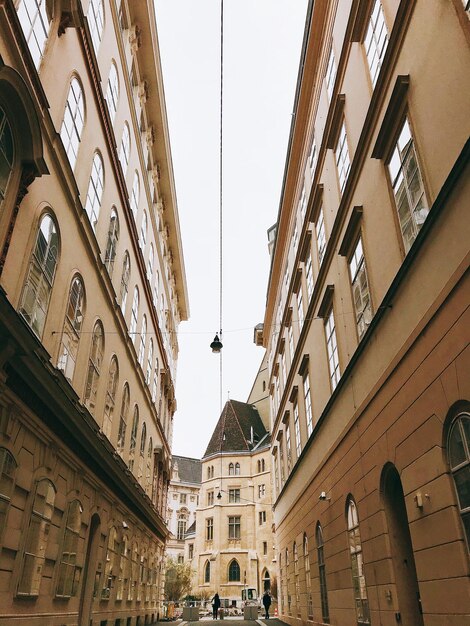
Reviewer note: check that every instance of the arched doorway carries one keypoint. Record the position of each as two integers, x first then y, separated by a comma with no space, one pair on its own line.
266,581
89,570
406,580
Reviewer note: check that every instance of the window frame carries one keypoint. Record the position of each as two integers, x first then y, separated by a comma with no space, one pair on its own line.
73,120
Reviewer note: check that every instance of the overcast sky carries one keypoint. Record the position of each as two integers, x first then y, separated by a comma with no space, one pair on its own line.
262,44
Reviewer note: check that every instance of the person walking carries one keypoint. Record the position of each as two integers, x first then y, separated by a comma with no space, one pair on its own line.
215,605
267,602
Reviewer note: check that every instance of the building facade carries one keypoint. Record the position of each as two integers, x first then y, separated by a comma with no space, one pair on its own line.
183,500
92,290
366,325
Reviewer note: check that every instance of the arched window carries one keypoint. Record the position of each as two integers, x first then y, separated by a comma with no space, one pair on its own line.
357,564
135,194
111,564
133,443
181,528
134,571
237,469
40,277
35,25
207,572
308,580
266,578
126,272
155,382
95,17
95,190
72,328
7,153
112,91
234,571
295,554
143,337
123,573
37,537
121,440
231,469
7,482
143,231
148,477
125,149
263,466
67,581
110,400
72,124
111,243
94,366
134,315
259,466
150,264
458,453
288,596
322,574
148,373
143,439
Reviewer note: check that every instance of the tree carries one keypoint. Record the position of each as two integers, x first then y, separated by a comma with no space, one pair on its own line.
177,580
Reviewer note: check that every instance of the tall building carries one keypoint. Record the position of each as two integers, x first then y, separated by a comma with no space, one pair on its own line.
366,324
183,500
92,290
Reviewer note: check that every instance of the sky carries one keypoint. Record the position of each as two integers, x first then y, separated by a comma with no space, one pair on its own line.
262,45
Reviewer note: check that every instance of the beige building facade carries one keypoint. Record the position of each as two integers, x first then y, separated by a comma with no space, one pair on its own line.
366,326
92,290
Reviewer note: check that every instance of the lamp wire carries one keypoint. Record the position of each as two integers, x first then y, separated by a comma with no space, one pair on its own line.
221,191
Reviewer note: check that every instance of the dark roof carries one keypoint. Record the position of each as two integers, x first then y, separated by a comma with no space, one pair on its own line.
191,530
233,430
189,470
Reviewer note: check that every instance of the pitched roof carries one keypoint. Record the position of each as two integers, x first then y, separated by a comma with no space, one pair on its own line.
233,432
189,470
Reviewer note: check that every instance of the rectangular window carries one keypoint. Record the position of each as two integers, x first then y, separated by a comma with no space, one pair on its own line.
261,491
262,517
321,236
300,309
182,498
360,289
265,548
181,529
309,275
281,463
330,75
303,202
342,157
376,41
332,349
288,449
283,368
234,527
210,498
308,404
276,473
313,157
295,238
234,495
209,529
298,443
190,550
408,187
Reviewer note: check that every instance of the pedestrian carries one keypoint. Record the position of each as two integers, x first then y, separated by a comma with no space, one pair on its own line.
267,602
215,605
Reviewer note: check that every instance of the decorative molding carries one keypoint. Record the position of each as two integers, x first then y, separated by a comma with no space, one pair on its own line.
306,246
135,38
304,364
336,120
297,279
294,393
326,301
316,202
351,231
392,118
361,19
286,417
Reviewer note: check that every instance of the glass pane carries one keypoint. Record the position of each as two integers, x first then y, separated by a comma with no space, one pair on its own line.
462,483
456,447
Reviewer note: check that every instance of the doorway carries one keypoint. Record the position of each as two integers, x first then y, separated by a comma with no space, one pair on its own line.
406,580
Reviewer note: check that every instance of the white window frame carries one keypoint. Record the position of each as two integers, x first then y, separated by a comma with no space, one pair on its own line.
376,41
73,121
332,349
343,161
95,190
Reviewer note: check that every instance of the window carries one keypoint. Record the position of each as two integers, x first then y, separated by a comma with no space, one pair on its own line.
357,565
303,202
181,529
276,471
149,465
210,498
376,40
322,575
190,551
321,236
313,156
234,527
95,17
237,469
134,315
155,382
234,571
300,309
110,399
148,372
150,264
126,272
360,289
231,469
265,548
111,563
207,572
308,403
290,336
74,118
288,449
121,440
33,19
135,194
143,232
458,454
342,157
263,465
183,498
143,439
111,243
330,74
332,349
72,328
95,191
143,337
283,368
309,275
133,442
180,559
112,91
40,278
261,491
94,367
7,153
125,149
298,443
262,517
308,580
281,463
295,555
234,495
210,529
408,187
37,537
69,574
7,480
